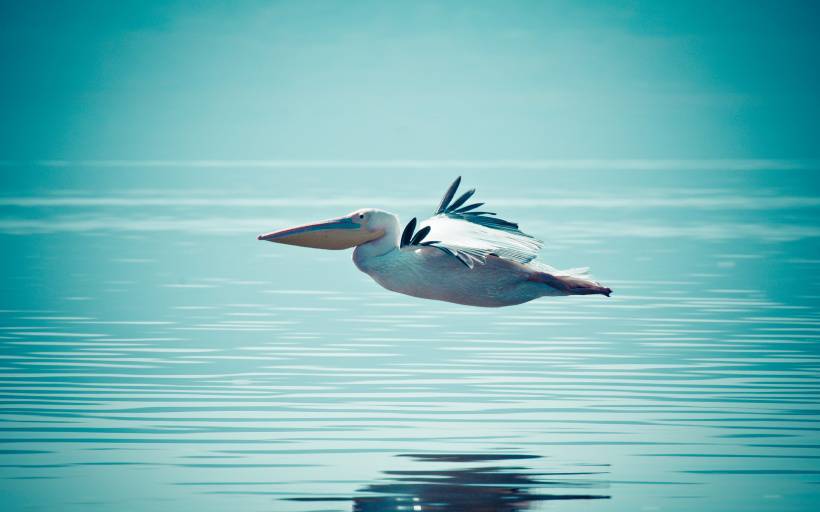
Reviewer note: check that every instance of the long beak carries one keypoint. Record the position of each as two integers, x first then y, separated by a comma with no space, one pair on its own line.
341,233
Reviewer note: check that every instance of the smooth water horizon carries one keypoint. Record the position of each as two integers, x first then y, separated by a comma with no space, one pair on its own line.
155,356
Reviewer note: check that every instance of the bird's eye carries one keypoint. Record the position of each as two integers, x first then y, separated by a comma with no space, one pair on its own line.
361,215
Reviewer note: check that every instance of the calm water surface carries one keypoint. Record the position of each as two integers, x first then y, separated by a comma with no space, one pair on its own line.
155,356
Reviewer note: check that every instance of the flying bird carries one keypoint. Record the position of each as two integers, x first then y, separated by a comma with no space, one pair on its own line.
461,254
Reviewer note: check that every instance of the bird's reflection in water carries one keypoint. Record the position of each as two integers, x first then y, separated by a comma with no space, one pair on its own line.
489,483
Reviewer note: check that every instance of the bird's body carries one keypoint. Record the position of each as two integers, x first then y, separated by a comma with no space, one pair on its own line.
469,257
428,273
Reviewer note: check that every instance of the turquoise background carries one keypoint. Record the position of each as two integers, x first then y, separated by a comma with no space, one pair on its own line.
142,80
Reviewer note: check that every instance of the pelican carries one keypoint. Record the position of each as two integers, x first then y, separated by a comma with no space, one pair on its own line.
459,255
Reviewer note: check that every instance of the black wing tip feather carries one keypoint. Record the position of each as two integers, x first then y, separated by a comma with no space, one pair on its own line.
419,236
461,200
457,209
448,196
407,234
412,237
469,207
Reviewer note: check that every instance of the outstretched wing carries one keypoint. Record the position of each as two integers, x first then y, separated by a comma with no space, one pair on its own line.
470,235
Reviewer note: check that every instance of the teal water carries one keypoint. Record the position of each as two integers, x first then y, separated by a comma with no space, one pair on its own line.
155,356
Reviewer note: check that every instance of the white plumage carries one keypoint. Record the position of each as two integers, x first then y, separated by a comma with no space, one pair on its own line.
480,241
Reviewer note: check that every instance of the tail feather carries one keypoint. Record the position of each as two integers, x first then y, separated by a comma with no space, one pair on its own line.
571,284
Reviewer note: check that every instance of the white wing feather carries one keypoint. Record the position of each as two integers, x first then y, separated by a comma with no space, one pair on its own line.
473,242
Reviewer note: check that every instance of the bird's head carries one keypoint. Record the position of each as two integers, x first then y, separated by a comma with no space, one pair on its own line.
351,230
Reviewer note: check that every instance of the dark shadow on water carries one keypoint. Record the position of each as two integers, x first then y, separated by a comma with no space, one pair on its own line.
476,488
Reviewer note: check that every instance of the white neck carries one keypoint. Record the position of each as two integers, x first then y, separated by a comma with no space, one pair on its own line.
380,246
